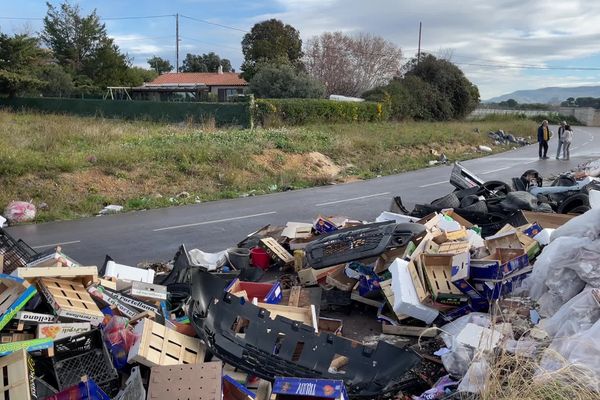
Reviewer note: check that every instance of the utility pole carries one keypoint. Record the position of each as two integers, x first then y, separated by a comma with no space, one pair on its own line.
177,40
419,51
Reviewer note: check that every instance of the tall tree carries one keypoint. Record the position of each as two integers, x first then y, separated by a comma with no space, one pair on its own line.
160,65
271,42
205,63
81,45
20,55
351,64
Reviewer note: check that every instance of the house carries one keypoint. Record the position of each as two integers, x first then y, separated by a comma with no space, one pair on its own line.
191,86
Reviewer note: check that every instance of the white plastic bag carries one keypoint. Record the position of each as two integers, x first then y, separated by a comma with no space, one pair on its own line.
584,225
20,211
559,254
475,378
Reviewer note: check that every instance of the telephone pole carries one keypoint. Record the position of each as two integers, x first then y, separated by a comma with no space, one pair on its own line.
177,40
419,51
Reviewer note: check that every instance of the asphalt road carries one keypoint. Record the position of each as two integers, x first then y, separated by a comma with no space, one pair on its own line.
155,235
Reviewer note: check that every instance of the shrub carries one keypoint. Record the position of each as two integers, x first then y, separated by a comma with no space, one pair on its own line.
304,111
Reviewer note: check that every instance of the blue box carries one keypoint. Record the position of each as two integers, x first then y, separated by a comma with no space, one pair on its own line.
324,225
309,388
494,289
533,230
484,270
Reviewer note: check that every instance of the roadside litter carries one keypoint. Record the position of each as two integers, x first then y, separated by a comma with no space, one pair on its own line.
451,295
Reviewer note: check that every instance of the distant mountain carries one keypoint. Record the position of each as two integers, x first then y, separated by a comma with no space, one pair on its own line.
550,95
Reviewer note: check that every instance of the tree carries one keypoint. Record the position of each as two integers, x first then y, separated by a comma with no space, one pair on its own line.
81,45
160,65
271,42
350,65
56,82
449,80
20,55
205,63
136,76
284,81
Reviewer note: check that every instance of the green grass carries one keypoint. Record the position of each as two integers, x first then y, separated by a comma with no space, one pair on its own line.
77,165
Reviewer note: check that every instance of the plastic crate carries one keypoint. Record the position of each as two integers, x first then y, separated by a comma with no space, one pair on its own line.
16,253
84,354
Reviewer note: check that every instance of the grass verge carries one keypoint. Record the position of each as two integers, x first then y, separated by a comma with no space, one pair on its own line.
77,165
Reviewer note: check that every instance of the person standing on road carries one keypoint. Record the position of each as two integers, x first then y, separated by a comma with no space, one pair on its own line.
543,137
561,129
567,139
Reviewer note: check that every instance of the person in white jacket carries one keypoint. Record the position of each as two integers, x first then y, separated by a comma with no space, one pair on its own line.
567,139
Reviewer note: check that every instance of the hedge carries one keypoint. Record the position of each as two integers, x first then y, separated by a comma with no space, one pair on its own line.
304,111
223,113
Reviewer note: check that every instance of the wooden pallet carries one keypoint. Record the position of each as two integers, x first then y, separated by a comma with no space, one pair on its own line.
159,345
15,376
276,251
70,299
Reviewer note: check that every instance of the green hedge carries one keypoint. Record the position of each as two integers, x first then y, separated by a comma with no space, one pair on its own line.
304,111
223,113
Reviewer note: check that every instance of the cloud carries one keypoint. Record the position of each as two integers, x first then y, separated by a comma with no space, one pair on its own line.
500,32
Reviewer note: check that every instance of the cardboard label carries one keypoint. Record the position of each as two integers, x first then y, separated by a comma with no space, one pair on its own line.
324,225
29,345
17,305
100,294
305,387
26,316
60,331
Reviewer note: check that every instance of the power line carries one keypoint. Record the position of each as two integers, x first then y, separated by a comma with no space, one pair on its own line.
213,23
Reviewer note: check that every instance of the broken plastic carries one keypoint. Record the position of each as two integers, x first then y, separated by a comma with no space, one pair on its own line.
475,378
210,261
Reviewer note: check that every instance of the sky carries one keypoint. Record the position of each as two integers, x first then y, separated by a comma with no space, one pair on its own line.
492,41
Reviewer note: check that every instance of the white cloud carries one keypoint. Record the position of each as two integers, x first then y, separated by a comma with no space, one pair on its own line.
530,32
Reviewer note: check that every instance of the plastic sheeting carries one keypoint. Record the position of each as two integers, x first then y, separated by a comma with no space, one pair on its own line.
578,314
585,225
210,261
20,211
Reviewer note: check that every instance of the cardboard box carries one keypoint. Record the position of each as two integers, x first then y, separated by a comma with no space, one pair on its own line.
307,316
452,214
443,237
55,259
324,225
265,292
127,273
310,276
461,273
483,270
29,345
505,240
60,331
14,294
190,381
16,379
547,220
85,275
454,247
438,275
305,388
341,281
36,318
494,289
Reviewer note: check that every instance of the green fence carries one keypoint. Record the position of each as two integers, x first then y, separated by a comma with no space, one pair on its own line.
222,113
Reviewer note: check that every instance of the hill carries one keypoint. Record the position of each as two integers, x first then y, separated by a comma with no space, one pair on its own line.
550,95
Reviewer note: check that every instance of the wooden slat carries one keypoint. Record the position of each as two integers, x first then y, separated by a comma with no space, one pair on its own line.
70,296
276,250
16,376
295,296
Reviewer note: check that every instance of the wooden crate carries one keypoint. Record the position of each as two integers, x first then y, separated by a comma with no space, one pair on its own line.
454,247
70,300
15,376
14,294
276,251
301,314
85,275
159,345
386,288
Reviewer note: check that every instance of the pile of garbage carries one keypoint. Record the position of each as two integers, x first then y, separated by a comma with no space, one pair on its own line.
499,137
265,318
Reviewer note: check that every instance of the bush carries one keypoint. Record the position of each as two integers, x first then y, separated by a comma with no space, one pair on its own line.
284,82
555,119
304,111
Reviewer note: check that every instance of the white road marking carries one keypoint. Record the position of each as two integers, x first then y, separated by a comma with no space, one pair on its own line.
352,199
55,244
216,221
433,184
494,170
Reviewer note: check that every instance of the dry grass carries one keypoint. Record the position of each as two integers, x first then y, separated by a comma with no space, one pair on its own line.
77,165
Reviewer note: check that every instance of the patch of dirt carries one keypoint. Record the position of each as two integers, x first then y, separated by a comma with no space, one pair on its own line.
313,164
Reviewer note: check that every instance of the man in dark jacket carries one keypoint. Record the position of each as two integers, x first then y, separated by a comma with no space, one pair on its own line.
543,137
561,129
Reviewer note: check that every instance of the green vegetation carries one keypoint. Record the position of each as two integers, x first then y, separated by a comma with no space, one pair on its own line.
552,118
77,165
431,89
273,112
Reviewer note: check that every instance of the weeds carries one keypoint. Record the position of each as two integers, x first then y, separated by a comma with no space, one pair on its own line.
77,165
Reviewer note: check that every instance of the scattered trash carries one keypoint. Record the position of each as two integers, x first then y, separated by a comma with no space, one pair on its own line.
111,209
19,211
458,286
485,149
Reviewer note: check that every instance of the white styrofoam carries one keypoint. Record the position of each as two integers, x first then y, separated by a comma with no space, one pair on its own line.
398,218
543,237
406,300
125,272
479,337
594,198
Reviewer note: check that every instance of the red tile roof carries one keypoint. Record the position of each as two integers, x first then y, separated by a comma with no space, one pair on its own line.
207,78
